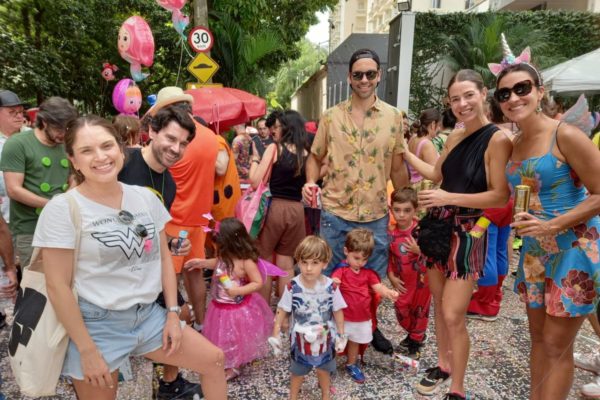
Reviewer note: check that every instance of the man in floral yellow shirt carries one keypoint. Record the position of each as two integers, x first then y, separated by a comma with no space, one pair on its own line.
360,141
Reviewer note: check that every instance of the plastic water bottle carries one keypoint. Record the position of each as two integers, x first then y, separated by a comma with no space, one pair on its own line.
5,302
182,236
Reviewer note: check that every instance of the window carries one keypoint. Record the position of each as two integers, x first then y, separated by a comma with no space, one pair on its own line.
436,3
469,4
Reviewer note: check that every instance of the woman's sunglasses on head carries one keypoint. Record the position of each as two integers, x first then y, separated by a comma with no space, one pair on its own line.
521,89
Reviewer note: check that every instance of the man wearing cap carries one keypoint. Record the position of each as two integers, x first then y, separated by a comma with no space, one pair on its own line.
11,120
35,168
171,130
194,177
361,139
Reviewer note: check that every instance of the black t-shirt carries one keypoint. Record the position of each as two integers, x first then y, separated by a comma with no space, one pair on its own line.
262,144
137,172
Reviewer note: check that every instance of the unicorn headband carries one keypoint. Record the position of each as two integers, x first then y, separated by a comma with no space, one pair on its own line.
510,59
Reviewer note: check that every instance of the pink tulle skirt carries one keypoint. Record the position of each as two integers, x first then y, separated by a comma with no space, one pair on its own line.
240,330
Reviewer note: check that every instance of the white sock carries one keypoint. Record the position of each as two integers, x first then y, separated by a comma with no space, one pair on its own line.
197,327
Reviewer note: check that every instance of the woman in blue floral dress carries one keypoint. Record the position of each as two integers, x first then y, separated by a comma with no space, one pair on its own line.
559,270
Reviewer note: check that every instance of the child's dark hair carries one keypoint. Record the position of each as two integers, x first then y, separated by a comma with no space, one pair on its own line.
360,240
404,195
233,241
313,248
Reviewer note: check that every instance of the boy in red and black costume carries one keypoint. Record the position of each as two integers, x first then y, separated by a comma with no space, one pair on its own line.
407,274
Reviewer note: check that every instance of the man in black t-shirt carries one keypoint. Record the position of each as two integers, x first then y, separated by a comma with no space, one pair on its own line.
171,130
263,139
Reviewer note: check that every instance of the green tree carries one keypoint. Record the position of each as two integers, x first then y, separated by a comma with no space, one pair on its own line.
239,53
479,44
293,73
554,36
50,47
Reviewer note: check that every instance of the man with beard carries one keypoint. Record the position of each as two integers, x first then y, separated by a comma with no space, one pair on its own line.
361,140
36,168
263,139
171,130
11,120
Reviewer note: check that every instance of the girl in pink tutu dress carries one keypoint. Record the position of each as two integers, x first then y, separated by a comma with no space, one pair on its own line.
238,320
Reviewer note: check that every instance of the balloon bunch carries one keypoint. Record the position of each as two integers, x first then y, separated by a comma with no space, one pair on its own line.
136,45
127,97
180,21
108,71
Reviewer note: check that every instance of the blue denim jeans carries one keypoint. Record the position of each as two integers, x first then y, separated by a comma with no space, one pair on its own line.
334,230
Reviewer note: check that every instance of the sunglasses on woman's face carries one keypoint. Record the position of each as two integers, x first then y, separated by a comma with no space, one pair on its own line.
358,75
126,218
521,89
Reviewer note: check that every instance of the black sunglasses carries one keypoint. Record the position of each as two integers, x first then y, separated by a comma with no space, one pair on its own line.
521,89
358,75
126,218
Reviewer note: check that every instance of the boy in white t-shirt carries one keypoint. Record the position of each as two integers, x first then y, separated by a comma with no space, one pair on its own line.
317,324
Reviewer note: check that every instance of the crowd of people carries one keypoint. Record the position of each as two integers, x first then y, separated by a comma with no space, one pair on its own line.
416,214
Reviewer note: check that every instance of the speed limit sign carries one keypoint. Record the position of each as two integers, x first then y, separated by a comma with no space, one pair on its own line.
201,39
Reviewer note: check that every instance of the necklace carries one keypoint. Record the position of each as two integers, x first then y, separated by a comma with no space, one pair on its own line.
162,190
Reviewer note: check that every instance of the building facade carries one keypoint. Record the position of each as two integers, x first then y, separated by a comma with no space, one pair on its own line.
537,5
374,16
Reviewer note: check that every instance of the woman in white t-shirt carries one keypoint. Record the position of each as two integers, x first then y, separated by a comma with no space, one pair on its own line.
122,265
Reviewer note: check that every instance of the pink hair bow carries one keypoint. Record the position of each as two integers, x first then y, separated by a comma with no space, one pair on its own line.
217,224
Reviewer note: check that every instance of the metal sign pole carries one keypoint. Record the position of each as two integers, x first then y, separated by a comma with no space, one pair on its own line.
407,35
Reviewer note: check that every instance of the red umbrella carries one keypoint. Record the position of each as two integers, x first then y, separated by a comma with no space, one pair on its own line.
223,107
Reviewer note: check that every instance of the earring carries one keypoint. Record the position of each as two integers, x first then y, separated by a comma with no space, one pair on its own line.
538,109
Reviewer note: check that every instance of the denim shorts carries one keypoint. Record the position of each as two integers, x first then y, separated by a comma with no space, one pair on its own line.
118,334
298,369
334,230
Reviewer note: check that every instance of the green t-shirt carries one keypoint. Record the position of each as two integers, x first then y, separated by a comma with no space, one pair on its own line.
46,171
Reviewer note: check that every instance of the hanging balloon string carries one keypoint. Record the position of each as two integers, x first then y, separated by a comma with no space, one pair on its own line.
183,43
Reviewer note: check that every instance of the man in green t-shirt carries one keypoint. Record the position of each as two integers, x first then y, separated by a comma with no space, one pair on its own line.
35,168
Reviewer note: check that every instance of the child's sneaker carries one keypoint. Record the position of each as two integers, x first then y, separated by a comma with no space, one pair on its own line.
487,318
180,388
403,345
355,373
381,343
414,350
432,382
592,390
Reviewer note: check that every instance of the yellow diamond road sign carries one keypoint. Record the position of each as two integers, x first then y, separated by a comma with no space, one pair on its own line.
203,67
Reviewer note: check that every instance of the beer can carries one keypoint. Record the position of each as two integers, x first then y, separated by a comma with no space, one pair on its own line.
521,203
406,362
315,200
426,184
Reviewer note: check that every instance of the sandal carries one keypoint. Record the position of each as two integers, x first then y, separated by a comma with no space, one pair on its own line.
232,373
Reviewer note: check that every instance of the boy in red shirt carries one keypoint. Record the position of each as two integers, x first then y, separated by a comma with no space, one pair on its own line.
356,284
407,274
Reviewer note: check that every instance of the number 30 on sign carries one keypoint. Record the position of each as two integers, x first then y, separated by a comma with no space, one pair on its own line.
201,39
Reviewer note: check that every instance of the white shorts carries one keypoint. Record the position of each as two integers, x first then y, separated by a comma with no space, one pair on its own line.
359,332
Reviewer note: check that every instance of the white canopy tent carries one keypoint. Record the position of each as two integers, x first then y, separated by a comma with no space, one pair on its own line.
575,76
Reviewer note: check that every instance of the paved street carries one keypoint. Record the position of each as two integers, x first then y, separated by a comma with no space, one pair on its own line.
497,369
